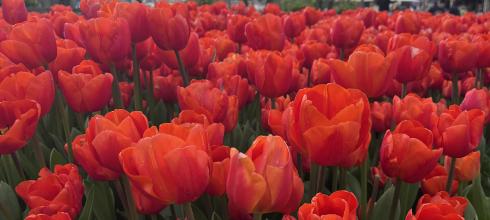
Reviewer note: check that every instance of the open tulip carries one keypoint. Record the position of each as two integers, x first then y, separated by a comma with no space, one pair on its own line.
436,181
97,150
407,153
18,123
331,125
357,71
266,32
14,11
338,205
60,191
168,28
413,107
346,32
434,211
267,173
457,202
31,43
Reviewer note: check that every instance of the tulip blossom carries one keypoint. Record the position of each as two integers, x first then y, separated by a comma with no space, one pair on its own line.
338,205
457,56
236,28
436,181
270,72
168,28
266,32
69,55
14,11
56,216
457,202
434,211
346,32
136,16
467,168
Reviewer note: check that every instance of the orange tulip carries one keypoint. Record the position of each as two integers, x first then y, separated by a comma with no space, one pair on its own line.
357,71
331,125
86,91
18,123
136,16
381,115
467,168
270,72
236,28
264,179
25,85
202,97
436,181
239,87
320,72
31,43
407,153
168,28
215,131
413,65
457,56
340,205
56,216
145,203
107,40
221,165
14,11
407,22
346,32
69,55
266,32
294,24
96,150
170,165
457,202
459,132
412,107
190,54
434,211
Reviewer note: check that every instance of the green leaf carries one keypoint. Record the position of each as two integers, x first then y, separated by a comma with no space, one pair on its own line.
382,207
478,199
408,195
353,185
9,170
87,212
470,213
104,206
198,213
56,158
215,216
9,206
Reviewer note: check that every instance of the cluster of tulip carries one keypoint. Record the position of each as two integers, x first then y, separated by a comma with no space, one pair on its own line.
214,112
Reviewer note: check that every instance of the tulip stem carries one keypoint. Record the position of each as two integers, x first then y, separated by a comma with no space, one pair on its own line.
374,195
335,181
188,211
342,178
450,176
136,78
454,94
116,91
154,217
38,151
479,78
273,103
396,198
182,70
308,80
404,90
120,193
320,182
257,216
364,173
131,208
17,165
172,212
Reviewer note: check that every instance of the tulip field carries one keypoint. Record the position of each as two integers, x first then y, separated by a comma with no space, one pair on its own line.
125,111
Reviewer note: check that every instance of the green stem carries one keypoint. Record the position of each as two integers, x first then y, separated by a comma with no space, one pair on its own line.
273,103
374,195
257,216
450,176
38,151
172,212
308,80
343,176
136,78
62,114
454,94
80,120
404,90
116,91
18,167
182,70
364,193
120,193
335,181
188,211
396,198
154,217
132,213
320,182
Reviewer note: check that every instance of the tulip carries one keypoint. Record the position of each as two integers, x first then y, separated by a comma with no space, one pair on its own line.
89,8
59,19
320,72
338,205
436,181
477,99
331,125
407,153
144,203
170,165
314,50
86,91
236,28
14,11
71,31
483,51
270,72
215,131
457,202
267,173
97,150
413,64
413,107
69,55
147,53
357,71
18,122
168,28
31,43
312,15
60,191
107,40
467,168
346,32
203,98
25,85
221,165
294,24
381,115
189,55
457,56
165,87
56,216
239,87
421,42
266,32
407,22
434,211
136,16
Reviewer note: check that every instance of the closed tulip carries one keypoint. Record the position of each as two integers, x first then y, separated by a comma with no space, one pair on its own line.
358,71
148,54
457,56
86,91
381,115
314,50
338,205
407,22
346,32
107,40
407,153
69,55
71,31
215,131
294,24
173,166
239,87
25,85
189,55
457,202
312,15
31,43
434,211
168,28
97,150
467,168
56,216
320,72
459,132
483,51
165,87
477,99
18,122
268,176
14,11
413,65
221,165
413,107
266,32
52,192
59,19
236,28
136,16
436,181
270,72
202,97
331,125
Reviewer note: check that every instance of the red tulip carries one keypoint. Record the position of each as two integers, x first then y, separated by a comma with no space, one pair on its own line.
165,87
477,99
147,53
169,28
136,16
56,216
320,72
346,32
294,24
412,107
236,28
407,22
457,56
31,43
270,72
381,115
413,65
69,55
18,120
467,168
457,202
239,87
434,211
190,54
59,19
14,11
436,181
266,32
312,15
221,165
341,205
314,50
71,31
215,131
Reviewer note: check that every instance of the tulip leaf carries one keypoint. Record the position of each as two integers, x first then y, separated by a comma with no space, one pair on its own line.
103,204
29,166
10,171
55,157
58,143
353,185
408,195
198,213
9,205
215,216
478,199
470,213
382,207
87,212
